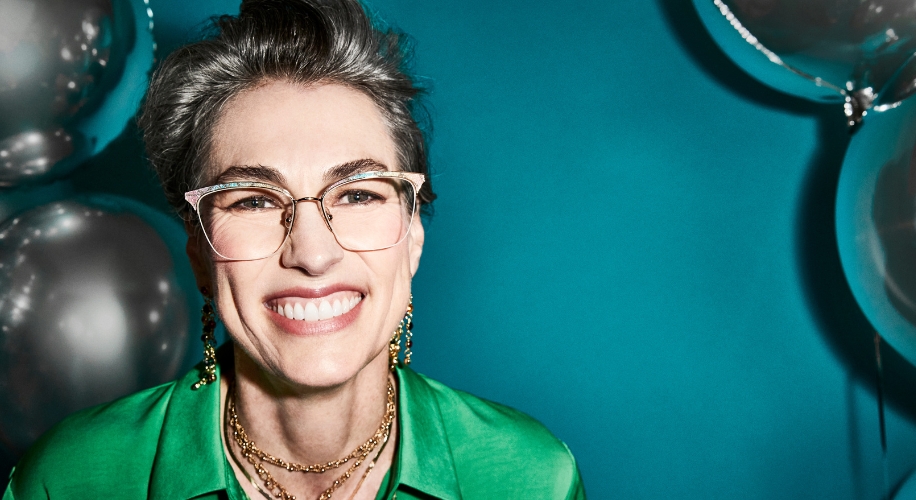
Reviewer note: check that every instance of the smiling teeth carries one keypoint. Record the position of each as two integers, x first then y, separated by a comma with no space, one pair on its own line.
312,311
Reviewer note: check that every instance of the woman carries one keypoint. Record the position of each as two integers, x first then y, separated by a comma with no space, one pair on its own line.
288,142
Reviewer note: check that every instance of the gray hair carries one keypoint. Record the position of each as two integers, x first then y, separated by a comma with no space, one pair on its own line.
300,41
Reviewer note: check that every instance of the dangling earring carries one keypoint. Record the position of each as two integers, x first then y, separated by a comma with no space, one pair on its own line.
408,327
208,318
394,345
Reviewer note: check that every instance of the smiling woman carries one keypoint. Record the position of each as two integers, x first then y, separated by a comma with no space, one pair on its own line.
289,144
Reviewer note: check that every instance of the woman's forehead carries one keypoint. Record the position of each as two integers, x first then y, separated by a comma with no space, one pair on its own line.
293,134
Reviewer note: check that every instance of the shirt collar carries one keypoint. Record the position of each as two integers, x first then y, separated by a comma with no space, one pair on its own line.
424,460
190,461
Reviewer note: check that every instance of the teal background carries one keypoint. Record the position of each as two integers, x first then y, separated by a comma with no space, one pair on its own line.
634,243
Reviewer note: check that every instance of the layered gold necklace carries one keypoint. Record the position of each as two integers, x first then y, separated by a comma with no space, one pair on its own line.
257,457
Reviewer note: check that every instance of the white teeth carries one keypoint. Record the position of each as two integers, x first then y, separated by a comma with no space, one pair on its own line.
325,311
311,312
316,311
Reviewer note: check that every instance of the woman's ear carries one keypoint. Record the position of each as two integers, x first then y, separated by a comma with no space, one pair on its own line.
196,249
415,244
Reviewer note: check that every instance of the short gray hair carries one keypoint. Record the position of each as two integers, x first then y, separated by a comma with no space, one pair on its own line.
300,41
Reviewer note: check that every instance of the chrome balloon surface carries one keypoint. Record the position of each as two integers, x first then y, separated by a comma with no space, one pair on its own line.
54,54
35,155
92,307
62,63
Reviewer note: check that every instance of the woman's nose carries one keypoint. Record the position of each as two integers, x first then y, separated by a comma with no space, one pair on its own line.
311,245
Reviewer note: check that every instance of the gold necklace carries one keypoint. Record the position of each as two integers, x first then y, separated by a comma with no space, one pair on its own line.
268,496
255,456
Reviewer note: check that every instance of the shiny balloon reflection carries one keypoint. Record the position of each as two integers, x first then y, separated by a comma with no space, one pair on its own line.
91,309
853,51
59,62
876,224
34,155
63,46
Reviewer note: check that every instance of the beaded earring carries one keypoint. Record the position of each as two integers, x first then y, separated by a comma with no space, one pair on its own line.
404,330
208,319
408,329
394,347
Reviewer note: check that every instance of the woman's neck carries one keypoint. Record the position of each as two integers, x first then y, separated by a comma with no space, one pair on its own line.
311,425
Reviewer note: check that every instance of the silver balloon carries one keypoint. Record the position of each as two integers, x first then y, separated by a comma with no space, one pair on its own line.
60,60
858,52
53,56
53,52
35,155
92,307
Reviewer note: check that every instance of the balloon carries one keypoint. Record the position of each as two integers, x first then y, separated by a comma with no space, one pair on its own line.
72,73
876,224
855,51
93,306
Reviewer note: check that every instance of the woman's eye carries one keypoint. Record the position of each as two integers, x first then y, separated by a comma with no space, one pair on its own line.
255,203
357,197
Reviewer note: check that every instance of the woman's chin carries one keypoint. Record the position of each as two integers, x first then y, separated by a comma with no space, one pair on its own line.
321,373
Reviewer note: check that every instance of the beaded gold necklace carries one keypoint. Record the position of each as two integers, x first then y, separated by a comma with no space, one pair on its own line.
256,457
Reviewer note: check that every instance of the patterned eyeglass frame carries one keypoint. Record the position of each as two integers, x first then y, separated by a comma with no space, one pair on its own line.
414,178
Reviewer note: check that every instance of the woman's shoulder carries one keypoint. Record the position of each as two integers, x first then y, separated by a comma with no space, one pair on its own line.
105,444
490,424
493,444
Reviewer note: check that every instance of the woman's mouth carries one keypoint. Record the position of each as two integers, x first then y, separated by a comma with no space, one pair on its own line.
315,309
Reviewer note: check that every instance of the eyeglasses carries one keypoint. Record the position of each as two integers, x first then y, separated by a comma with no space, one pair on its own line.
252,220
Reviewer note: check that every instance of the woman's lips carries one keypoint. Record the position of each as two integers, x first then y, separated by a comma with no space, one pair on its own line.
310,312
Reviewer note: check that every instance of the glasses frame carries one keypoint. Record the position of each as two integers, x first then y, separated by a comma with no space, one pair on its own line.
414,178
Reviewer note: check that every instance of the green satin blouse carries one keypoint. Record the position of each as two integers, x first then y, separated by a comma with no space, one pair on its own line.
165,443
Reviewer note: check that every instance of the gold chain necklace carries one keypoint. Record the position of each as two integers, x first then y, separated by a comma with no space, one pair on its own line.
255,456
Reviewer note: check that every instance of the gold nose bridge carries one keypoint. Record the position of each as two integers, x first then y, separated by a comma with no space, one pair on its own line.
319,201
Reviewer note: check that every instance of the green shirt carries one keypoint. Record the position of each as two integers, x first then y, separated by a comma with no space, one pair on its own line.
165,443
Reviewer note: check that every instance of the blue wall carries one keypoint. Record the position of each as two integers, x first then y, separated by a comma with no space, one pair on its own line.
634,243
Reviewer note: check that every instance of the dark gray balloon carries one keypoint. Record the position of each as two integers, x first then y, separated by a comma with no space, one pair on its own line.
55,56
60,62
37,155
91,308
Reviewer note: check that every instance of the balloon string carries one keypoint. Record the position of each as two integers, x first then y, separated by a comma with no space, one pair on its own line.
883,428
751,39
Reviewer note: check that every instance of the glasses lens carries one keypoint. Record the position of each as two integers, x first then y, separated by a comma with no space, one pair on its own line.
371,214
245,223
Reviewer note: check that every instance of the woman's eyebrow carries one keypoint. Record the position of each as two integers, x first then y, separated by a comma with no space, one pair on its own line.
251,172
353,167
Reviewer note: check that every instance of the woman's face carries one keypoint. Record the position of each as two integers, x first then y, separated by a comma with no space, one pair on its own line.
294,136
